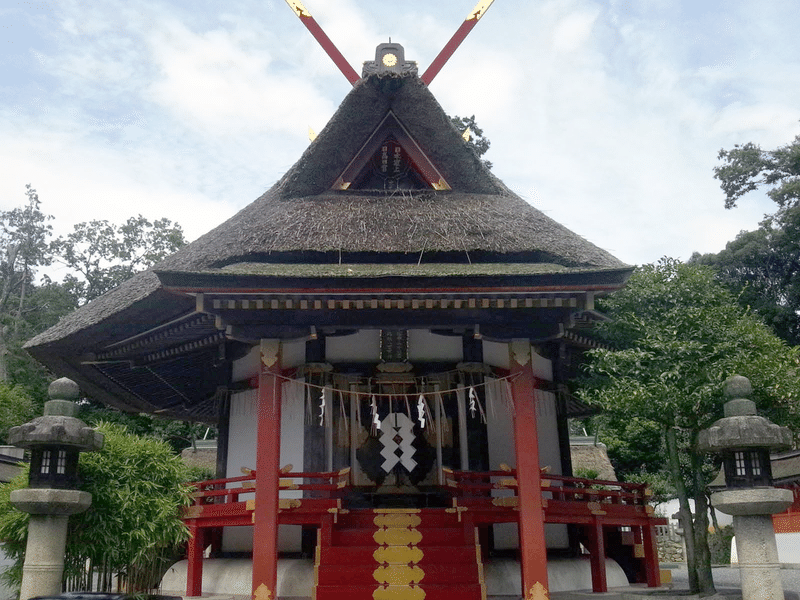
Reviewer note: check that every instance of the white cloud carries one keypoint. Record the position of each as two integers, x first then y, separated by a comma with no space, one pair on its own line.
607,115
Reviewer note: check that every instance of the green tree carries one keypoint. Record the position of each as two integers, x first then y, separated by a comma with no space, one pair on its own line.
477,141
747,168
24,246
762,268
133,527
103,255
675,335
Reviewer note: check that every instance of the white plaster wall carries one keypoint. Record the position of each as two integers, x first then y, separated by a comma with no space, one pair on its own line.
364,346
247,366
495,354
293,353
424,346
500,429
242,453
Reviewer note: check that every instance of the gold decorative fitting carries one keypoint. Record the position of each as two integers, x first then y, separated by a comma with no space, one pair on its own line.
506,501
262,593
246,471
270,349
248,484
250,505
479,10
398,592
596,508
504,483
440,185
398,574
287,504
649,510
521,351
506,468
299,9
192,512
397,555
397,520
457,510
397,536
638,550
537,592
286,469
288,484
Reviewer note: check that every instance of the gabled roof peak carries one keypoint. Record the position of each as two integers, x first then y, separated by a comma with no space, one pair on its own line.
389,58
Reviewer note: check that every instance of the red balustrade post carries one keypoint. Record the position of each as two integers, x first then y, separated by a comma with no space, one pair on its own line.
265,513
533,550
194,566
651,568
597,556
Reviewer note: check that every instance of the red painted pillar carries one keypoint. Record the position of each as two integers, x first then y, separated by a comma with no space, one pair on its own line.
597,556
194,566
265,514
533,559
651,568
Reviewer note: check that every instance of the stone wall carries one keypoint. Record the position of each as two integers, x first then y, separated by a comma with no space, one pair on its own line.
670,544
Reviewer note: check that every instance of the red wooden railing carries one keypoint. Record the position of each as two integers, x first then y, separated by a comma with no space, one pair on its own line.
556,487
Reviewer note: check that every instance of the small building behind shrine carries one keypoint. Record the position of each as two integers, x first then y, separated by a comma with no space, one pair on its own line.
383,340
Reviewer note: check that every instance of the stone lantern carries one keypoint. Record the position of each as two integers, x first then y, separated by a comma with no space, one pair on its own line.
54,441
745,440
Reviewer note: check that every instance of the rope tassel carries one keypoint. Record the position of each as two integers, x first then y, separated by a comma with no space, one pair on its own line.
376,422
472,398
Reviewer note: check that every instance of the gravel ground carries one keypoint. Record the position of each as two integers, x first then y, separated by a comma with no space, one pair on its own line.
727,579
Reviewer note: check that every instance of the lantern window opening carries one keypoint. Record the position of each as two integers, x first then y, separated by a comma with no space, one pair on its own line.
741,465
61,464
45,467
756,463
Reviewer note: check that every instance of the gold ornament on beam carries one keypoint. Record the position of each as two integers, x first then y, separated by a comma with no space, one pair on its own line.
537,592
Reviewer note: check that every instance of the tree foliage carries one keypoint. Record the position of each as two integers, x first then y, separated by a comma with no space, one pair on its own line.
103,255
675,335
762,268
747,167
133,525
477,141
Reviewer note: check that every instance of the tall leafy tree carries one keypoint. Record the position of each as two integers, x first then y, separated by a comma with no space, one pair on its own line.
747,167
24,246
103,255
675,335
476,140
763,266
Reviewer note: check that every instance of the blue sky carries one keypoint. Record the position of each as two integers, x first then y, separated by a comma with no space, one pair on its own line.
607,115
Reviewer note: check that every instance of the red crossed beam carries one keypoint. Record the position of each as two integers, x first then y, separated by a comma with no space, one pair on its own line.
324,40
472,19
311,24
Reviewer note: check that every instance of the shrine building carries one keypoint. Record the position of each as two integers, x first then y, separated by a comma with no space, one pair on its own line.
383,340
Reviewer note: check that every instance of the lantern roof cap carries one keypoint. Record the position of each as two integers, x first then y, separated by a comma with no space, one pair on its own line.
741,427
59,426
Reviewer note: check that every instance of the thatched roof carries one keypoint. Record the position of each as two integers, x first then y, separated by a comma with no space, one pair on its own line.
301,213
303,225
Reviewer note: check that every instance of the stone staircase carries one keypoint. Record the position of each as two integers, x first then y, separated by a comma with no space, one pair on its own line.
394,554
